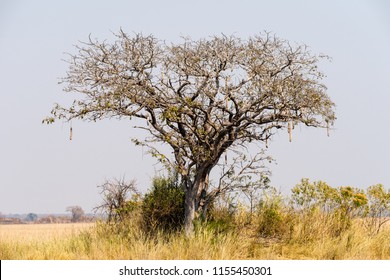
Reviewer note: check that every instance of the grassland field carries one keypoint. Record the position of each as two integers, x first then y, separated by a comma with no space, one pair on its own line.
92,241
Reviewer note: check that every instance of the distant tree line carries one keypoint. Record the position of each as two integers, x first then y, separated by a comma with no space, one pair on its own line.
77,215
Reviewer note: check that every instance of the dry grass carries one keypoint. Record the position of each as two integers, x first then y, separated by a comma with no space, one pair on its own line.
354,244
79,241
84,241
39,241
40,232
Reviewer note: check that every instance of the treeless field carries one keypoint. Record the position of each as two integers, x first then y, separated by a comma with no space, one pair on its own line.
41,241
40,232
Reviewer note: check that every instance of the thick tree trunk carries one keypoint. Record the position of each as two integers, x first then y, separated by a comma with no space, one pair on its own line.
189,214
202,198
192,198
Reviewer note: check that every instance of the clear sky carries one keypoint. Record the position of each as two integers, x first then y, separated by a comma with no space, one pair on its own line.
42,171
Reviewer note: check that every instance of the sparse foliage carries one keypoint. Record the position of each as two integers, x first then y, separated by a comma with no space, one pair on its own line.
31,217
119,199
203,98
335,206
352,201
379,207
77,213
307,195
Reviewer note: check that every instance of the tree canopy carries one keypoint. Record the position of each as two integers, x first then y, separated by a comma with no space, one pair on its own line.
201,97
77,213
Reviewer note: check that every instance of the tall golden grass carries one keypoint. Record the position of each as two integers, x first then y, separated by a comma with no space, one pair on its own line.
99,241
277,229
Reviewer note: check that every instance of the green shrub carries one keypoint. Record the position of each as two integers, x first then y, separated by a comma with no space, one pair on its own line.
163,206
323,210
219,220
273,215
377,213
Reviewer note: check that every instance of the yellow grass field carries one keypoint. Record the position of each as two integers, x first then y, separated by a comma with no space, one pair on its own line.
40,232
38,241
89,241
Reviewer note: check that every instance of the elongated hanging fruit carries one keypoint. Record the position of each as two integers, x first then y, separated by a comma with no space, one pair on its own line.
70,133
327,128
289,131
227,92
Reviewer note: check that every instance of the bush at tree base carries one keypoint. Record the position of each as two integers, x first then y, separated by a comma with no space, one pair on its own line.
163,205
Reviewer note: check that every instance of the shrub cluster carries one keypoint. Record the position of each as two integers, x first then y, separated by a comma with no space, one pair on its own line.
317,210
163,206
314,210
160,209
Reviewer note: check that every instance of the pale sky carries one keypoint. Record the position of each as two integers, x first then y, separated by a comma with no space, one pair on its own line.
41,171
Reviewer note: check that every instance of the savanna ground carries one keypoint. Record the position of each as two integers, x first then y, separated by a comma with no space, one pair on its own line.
95,241
316,222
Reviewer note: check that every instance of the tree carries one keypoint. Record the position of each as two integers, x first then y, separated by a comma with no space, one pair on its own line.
77,213
116,195
31,217
308,196
203,98
379,207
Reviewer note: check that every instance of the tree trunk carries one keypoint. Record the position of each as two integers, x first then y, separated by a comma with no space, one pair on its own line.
192,199
189,214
